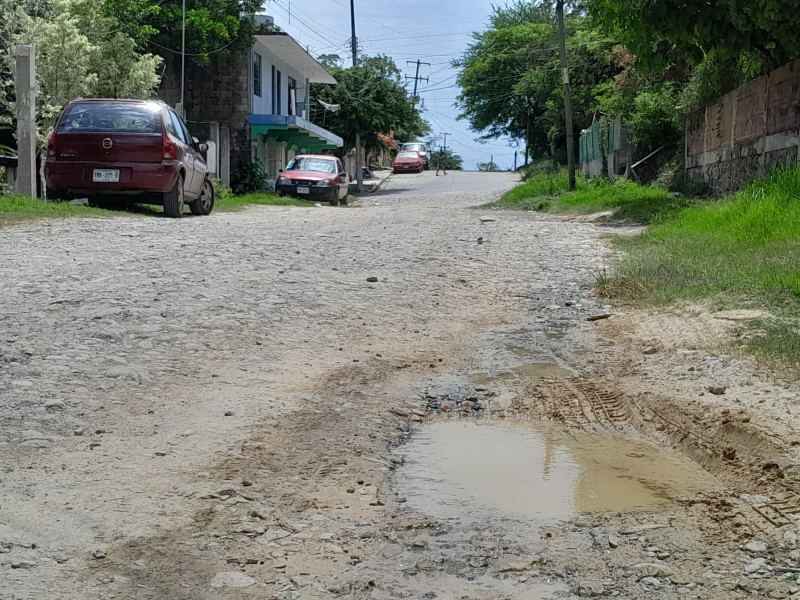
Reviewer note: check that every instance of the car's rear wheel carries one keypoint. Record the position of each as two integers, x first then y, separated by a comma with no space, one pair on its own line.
173,200
205,203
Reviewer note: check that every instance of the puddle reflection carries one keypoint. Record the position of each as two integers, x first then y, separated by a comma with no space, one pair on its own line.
465,470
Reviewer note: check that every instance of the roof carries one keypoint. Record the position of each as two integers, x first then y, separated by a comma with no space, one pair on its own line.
283,46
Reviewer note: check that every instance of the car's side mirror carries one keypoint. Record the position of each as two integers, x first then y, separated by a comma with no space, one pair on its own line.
202,146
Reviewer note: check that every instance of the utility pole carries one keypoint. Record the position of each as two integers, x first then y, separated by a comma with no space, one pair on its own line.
515,160
183,56
567,100
416,78
445,134
354,50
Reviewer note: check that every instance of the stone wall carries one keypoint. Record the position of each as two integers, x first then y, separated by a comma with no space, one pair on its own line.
215,92
746,131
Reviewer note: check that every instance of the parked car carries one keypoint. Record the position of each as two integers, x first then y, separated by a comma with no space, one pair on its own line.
408,161
129,150
314,177
422,148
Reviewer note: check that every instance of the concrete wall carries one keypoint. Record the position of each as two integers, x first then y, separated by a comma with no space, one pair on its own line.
216,92
746,131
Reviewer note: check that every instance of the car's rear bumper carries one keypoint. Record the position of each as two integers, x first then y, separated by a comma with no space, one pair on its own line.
134,178
314,192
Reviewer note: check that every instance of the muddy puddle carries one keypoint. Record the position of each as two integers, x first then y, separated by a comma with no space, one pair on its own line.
533,369
458,470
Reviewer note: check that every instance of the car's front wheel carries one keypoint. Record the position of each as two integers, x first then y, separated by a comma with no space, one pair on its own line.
173,200
205,203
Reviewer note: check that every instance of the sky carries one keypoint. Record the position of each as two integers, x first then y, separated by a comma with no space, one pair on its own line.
432,31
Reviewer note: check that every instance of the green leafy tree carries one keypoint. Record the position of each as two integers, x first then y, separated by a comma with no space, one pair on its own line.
81,52
510,75
490,166
658,31
223,27
373,102
453,161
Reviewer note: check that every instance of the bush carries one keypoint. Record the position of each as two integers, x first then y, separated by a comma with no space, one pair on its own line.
222,192
249,179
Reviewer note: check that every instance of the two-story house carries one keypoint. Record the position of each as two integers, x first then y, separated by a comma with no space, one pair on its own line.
280,126
259,101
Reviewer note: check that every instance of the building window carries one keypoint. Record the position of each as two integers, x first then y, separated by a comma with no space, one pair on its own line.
292,96
272,88
257,74
278,92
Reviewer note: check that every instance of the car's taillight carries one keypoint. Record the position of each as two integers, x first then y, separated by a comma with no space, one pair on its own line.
168,149
51,145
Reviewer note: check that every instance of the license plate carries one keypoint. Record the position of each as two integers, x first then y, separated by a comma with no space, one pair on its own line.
106,175
303,189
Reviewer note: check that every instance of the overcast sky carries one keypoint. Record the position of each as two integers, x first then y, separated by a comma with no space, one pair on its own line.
433,31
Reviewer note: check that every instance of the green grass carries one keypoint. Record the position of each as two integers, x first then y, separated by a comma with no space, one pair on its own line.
16,209
230,202
548,192
743,250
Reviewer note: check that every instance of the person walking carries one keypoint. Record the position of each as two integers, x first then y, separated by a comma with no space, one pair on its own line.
442,164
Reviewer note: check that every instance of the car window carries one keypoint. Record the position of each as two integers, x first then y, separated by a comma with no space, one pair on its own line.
407,154
185,129
340,166
122,117
305,163
418,147
174,126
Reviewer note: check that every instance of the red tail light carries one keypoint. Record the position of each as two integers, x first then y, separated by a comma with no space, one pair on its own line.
51,145
168,149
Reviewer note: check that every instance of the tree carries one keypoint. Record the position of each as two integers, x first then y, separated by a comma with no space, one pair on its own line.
373,102
510,75
222,27
490,166
452,160
81,52
658,31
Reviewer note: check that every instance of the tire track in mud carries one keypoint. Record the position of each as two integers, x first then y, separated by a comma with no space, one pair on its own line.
744,456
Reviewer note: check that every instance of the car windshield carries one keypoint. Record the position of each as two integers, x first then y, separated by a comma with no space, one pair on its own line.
307,163
407,154
418,147
121,117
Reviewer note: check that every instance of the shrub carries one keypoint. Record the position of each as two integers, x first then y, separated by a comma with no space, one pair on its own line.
249,179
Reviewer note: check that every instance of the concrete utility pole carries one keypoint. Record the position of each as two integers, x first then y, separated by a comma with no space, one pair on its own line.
567,99
183,57
26,121
445,134
354,50
416,78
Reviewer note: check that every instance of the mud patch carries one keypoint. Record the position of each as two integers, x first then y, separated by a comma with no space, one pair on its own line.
468,471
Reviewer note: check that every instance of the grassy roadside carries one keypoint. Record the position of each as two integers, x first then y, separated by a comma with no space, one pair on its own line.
16,209
741,251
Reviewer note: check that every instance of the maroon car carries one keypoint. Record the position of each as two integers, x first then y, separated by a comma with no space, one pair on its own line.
130,150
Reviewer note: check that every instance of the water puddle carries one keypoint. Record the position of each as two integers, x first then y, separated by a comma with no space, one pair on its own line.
533,369
457,470
542,369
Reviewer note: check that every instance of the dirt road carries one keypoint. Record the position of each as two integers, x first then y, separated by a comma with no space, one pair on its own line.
402,399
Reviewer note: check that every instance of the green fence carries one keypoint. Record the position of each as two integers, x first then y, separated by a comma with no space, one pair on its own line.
590,146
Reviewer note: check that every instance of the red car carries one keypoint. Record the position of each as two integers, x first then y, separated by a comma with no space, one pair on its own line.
129,150
408,161
314,177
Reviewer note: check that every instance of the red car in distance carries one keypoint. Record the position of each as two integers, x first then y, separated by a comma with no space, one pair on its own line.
128,150
408,161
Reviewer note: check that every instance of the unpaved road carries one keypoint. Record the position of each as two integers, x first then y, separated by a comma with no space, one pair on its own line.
221,408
